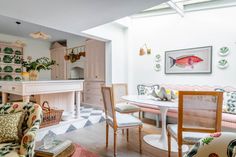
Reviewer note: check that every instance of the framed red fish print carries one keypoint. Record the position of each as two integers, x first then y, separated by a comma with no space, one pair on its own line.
189,61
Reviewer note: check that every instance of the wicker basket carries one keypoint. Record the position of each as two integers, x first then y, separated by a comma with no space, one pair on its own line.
50,116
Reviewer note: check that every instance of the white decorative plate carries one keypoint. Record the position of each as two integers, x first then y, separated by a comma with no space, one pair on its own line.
158,57
224,51
223,63
157,67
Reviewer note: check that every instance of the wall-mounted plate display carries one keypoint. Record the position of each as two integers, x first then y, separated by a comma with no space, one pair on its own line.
158,58
10,62
8,50
157,67
7,78
224,51
223,63
7,59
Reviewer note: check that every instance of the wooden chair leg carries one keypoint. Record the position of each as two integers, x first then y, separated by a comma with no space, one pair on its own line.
179,150
169,143
115,134
107,134
139,115
127,137
140,139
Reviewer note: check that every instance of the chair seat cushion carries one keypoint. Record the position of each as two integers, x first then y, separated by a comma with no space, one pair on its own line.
125,120
126,108
188,137
9,149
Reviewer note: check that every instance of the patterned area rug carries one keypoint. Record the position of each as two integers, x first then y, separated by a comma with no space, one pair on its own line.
82,152
88,116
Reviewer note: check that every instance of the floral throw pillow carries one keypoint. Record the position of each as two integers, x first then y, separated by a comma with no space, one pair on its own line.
147,90
229,101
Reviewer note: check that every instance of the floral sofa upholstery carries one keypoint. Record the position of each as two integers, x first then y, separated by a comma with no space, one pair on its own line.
215,145
31,123
228,119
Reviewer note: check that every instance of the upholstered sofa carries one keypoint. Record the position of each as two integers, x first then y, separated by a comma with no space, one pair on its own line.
228,119
215,145
30,125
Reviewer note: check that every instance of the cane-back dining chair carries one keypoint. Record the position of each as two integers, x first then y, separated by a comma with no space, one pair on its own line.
121,105
117,120
199,113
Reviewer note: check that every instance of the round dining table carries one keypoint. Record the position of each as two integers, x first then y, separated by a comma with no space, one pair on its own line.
156,140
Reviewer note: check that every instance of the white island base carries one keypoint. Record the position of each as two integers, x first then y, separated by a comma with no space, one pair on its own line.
61,94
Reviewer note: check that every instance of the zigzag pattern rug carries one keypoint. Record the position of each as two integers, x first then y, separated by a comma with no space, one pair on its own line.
88,116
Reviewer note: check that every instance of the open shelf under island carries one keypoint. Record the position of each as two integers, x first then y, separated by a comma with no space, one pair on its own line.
61,94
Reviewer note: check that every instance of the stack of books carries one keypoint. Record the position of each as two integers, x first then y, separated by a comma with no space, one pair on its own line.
57,147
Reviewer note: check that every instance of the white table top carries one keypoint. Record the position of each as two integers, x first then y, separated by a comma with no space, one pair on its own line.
149,100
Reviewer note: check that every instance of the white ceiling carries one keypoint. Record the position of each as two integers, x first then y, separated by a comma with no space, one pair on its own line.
9,26
72,16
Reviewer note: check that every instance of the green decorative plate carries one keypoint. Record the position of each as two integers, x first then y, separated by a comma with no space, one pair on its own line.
224,51
157,67
18,70
223,63
17,52
17,78
8,69
17,59
8,50
7,78
7,59
158,57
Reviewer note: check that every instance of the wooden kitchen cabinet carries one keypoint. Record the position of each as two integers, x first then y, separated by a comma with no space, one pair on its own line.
59,70
94,72
95,60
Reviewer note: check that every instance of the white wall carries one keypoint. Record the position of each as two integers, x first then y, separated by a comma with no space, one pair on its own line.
115,35
171,32
34,48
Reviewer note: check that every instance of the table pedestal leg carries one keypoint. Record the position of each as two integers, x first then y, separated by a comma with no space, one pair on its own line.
160,141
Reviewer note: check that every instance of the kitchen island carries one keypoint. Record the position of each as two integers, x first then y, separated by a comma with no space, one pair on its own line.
61,94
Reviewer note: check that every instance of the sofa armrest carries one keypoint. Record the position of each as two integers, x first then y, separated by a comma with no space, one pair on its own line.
28,142
217,144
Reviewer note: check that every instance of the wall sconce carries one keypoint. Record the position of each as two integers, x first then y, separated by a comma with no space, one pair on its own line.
144,49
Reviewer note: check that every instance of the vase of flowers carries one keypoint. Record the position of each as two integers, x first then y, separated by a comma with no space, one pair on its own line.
33,67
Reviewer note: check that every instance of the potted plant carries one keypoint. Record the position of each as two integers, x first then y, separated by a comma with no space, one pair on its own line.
33,67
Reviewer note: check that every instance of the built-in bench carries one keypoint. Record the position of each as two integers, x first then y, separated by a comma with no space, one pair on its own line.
228,120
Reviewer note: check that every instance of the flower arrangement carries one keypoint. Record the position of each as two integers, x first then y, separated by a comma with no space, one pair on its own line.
43,63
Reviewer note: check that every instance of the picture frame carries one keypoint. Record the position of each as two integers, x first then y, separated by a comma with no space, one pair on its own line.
189,61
